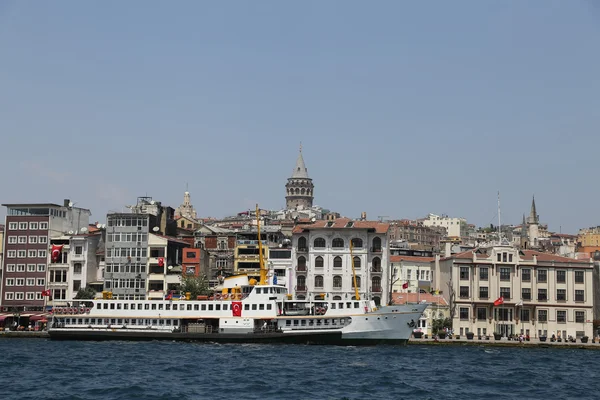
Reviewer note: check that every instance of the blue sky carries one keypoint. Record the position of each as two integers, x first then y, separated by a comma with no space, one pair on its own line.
403,108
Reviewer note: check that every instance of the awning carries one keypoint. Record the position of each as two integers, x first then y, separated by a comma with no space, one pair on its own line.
37,317
4,316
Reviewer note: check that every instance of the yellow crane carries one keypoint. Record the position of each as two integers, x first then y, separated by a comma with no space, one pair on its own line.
354,272
263,270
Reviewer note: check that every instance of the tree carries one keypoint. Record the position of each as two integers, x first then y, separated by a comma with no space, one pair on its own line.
438,325
195,285
86,293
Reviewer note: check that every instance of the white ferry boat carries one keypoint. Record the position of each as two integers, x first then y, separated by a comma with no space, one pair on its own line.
242,311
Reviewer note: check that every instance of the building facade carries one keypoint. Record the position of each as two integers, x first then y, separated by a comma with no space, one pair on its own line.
186,209
299,187
323,261
455,227
501,289
417,235
411,274
219,245
29,231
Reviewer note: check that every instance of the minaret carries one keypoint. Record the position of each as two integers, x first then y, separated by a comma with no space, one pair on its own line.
186,209
533,222
524,234
299,188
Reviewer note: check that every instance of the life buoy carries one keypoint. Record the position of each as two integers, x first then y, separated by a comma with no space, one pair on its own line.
71,311
82,310
56,311
218,296
87,310
239,296
225,296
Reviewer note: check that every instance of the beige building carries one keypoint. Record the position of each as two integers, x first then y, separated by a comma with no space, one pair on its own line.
411,271
438,308
543,294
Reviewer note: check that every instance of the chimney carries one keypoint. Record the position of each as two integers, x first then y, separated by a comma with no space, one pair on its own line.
363,216
66,202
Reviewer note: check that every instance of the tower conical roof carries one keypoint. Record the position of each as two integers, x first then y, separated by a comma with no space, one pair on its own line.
300,171
533,216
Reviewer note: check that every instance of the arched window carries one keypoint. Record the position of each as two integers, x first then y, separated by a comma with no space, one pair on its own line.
302,243
301,282
319,243
376,244
357,243
319,262
337,243
318,281
337,282
376,284
302,191
297,191
301,263
357,281
337,262
356,262
337,297
376,264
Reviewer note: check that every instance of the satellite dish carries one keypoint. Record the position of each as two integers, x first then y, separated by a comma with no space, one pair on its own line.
103,226
71,204
84,229
280,245
313,219
99,225
152,202
170,267
71,232
156,229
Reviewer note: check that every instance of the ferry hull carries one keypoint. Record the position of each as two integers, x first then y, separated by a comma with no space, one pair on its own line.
307,338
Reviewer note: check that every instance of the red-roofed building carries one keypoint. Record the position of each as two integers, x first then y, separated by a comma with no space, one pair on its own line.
438,308
501,289
323,260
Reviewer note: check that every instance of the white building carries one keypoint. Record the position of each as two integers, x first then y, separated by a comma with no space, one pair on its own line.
455,227
542,294
280,265
413,271
83,260
164,265
323,263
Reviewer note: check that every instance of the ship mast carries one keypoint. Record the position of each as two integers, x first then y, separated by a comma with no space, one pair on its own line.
263,270
354,272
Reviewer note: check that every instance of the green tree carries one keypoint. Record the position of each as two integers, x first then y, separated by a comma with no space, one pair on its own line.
86,293
195,285
438,325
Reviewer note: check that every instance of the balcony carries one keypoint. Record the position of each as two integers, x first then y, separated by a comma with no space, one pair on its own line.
300,288
376,250
302,249
376,289
301,268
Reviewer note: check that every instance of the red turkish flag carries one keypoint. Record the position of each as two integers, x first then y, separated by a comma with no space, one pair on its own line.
55,254
499,300
236,308
161,262
405,285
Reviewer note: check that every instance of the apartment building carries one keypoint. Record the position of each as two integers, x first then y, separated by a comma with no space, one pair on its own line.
501,289
323,262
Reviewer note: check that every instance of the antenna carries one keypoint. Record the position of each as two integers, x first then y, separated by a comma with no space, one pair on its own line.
499,224
381,217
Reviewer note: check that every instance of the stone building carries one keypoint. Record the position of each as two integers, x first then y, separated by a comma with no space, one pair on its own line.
299,187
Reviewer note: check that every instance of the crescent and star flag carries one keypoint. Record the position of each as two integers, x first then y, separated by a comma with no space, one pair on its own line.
499,300
405,285
161,262
46,292
55,253
236,308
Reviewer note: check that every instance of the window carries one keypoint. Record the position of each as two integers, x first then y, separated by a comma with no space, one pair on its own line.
23,226
542,294
561,316
33,239
464,313
12,240
337,282
301,263
21,253
318,281
20,281
561,294
377,244
579,277
30,267
9,296
579,295
356,262
464,273
41,282
505,274
302,244
464,292
78,250
561,276
505,292
357,243
526,275
319,262
483,292
41,267
11,254
301,282
483,274
22,239
525,314
30,295
499,257
543,315
526,293
481,314
337,262
542,275
357,282
33,226
77,268
12,226
19,296
10,282
10,268
32,253
42,253
30,281
376,264
319,243
20,267
43,225
580,317
337,243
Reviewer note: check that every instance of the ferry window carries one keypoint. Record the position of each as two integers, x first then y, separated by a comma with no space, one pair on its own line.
288,322
296,322
333,306
176,322
118,306
146,306
175,307
217,307
246,307
106,306
341,305
93,321
125,306
271,290
168,322
311,322
119,321
113,321
139,306
126,321
196,307
86,321
333,322
318,322
269,306
326,321
133,306
261,306
203,307
210,307
160,306
303,322
356,305
257,290
153,322
348,305
341,321
189,307
154,306
161,322
167,307
225,307
254,306
112,306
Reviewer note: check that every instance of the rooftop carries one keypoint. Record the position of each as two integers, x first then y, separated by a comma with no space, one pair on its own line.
403,298
411,258
344,223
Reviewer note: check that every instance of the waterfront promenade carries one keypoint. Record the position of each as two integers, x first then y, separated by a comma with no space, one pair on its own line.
504,342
